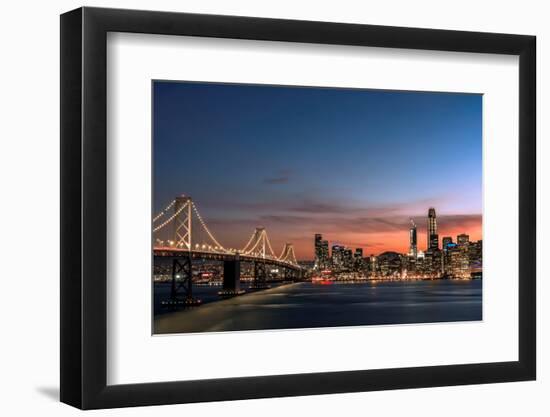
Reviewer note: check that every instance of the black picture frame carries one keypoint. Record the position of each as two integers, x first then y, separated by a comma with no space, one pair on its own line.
84,207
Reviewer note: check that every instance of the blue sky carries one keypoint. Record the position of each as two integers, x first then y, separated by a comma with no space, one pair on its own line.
352,164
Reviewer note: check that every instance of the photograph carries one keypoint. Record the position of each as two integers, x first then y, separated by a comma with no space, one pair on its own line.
296,207
302,206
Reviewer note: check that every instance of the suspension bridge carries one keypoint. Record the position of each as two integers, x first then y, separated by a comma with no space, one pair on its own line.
193,240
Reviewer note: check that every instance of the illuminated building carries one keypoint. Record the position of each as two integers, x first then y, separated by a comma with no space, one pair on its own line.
321,252
389,264
326,258
475,253
411,262
358,263
448,249
317,248
413,248
418,266
338,256
438,263
373,265
445,242
462,239
432,238
348,258
459,263
428,263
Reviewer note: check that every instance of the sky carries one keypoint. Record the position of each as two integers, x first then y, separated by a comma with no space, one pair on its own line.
352,164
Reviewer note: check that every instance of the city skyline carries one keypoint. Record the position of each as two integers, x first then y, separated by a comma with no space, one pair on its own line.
353,165
406,235
326,251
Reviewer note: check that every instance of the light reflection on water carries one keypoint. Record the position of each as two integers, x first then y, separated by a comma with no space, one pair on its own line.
306,305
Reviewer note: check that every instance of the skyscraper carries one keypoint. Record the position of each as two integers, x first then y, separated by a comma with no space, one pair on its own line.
321,252
317,248
337,256
358,263
433,237
348,258
325,263
413,248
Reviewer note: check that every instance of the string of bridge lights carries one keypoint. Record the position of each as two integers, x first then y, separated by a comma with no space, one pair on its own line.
163,212
257,237
293,259
258,241
170,218
269,244
284,253
254,233
261,237
288,251
204,225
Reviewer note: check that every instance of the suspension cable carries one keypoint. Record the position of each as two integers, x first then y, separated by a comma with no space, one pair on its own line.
294,261
283,253
205,227
163,212
249,241
170,218
258,240
269,245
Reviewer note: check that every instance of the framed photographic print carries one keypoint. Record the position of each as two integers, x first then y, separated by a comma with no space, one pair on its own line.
257,208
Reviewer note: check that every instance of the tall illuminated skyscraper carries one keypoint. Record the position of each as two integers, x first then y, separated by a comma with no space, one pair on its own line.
433,237
413,248
338,256
321,252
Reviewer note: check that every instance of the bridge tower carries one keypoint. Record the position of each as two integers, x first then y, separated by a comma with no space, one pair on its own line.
183,216
182,266
182,222
260,248
288,256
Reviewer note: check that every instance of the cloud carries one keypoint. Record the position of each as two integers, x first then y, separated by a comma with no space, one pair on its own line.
362,208
448,224
461,223
282,176
306,202
313,207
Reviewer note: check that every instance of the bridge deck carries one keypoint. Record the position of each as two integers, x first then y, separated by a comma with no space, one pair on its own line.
219,256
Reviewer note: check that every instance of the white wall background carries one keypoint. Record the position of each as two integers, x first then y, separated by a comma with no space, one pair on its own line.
29,177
